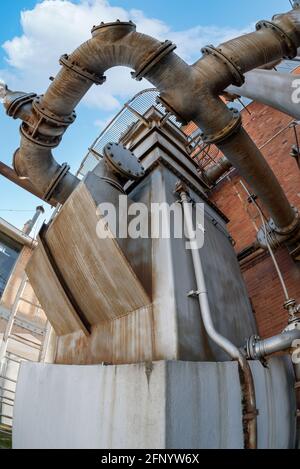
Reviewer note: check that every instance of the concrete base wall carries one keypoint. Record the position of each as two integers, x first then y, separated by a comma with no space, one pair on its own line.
163,405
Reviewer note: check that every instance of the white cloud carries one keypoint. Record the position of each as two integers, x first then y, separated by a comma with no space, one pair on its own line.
55,27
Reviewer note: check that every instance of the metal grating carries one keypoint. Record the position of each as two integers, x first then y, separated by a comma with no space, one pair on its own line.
132,112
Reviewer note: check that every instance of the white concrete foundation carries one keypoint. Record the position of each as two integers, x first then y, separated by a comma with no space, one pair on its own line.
164,405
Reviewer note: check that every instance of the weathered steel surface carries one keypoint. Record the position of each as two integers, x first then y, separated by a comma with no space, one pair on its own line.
276,403
60,312
102,281
128,339
165,405
109,278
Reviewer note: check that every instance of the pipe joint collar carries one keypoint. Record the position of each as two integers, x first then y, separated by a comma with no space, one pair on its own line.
287,41
15,101
50,117
293,309
164,49
78,70
233,126
288,231
32,134
116,29
55,181
46,128
277,236
252,348
238,78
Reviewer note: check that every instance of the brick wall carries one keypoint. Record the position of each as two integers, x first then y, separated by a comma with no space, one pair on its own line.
270,131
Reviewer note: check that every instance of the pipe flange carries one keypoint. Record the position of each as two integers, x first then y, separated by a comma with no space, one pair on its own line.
127,24
233,126
32,135
123,162
78,70
251,347
50,116
289,230
161,52
14,107
238,77
291,46
59,175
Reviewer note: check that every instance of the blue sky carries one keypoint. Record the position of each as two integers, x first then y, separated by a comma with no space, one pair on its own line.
27,63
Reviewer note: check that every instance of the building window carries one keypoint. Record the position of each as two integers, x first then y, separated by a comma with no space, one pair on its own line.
9,252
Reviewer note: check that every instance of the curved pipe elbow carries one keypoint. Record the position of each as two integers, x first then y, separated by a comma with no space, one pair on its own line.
37,164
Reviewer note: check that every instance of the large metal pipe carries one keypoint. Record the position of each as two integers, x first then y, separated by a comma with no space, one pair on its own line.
272,88
11,175
193,92
228,347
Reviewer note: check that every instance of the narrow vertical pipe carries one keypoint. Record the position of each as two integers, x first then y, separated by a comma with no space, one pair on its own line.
250,414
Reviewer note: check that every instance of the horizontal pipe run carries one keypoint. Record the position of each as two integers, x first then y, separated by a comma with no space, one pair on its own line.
271,88
11,175
260,348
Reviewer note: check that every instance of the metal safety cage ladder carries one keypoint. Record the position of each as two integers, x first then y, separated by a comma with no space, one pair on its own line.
10,360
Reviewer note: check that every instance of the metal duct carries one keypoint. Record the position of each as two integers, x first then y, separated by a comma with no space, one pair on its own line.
272,88
192,91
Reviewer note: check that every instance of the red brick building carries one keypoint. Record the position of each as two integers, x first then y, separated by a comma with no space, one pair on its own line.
272,132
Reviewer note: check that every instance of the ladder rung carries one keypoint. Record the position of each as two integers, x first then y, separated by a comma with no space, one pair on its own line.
7,398
7,390
8,379
19,356
5,432
24,341
12,360
24,300
6,416
6,403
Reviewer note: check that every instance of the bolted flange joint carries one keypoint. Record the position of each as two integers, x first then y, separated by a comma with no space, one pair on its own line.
233,126
45,127
252,348
55,181
118,28
78,70
16,101
288,42
293,309
277,236
123,162
238,78
153,59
